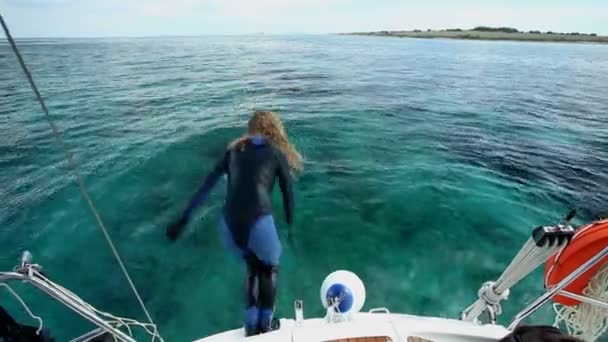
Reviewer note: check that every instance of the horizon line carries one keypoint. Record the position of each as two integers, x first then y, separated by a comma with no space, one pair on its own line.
272,34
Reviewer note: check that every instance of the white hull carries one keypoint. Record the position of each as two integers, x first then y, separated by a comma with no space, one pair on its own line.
397,327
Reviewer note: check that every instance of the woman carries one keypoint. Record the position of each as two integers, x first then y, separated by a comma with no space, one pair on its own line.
252,163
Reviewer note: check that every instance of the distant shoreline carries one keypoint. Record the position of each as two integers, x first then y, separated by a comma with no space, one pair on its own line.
491,34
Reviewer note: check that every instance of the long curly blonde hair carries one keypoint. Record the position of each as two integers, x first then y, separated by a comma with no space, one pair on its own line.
269,125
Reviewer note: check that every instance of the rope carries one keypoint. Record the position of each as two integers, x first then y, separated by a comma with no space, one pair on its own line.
29,312
491,293
585,320
527,260
74,168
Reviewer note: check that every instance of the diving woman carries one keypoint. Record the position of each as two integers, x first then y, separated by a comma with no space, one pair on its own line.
252,163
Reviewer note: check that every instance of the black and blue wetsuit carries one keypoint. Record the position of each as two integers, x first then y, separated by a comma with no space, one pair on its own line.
247,224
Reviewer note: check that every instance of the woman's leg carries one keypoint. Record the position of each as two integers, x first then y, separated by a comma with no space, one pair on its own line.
267,282
265,244
252,311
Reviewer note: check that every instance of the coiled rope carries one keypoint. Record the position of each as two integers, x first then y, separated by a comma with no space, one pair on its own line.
73,166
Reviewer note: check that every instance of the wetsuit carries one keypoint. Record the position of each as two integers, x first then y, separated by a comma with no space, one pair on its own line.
247,224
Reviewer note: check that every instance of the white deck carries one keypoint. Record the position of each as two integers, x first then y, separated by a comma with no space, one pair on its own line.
396,326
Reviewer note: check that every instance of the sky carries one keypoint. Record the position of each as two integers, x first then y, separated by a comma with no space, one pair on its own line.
94,18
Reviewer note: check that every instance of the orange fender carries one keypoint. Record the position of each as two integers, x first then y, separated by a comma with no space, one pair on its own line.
587,242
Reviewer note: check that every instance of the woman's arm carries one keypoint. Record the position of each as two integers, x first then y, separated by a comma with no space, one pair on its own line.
201,195
199,198
286,185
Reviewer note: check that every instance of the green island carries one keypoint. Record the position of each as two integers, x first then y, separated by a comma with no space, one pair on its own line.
492,33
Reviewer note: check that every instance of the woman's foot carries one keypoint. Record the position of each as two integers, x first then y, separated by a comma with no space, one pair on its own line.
251,331
252,321
265,324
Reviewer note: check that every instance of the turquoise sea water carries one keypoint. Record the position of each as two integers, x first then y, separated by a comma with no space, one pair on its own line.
428,162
